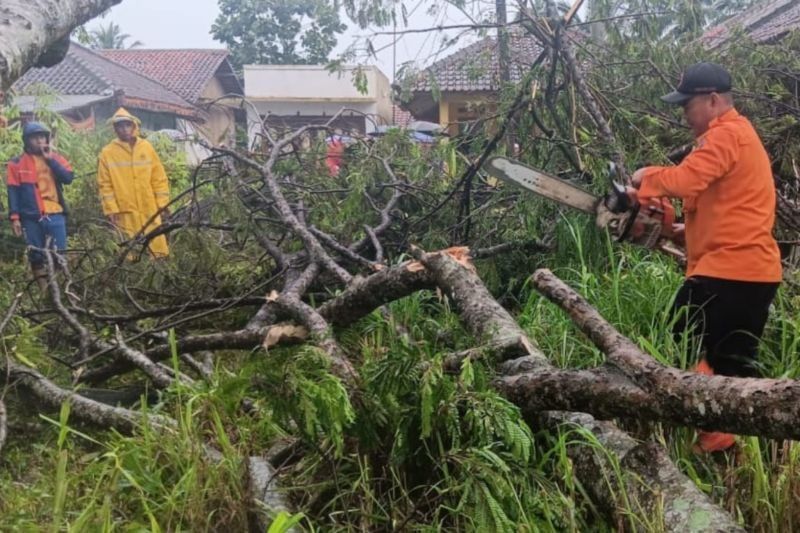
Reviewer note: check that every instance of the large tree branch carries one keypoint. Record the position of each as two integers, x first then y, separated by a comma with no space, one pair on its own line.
482,314
32,27
766,407
51,395
682,502
364,295
361,297
625,470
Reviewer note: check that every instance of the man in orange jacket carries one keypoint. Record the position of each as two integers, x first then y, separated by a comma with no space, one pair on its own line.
733,263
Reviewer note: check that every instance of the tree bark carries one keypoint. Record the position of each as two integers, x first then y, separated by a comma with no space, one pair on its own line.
3,424
765,407
364,295
32,27
664,486
51,395
644,475
504,55
266,500
482,314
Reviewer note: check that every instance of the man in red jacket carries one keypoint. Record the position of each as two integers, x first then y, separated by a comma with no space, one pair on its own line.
733,262
35,199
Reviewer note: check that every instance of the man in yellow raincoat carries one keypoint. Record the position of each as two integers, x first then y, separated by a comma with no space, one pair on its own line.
132,181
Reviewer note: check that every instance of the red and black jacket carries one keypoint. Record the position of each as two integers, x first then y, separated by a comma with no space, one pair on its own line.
24,199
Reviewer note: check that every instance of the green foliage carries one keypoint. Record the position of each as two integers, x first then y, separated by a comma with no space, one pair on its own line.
285,522
156,481
420,447
283,32
307,396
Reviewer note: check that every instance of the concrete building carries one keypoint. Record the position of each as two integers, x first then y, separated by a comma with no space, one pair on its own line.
290,96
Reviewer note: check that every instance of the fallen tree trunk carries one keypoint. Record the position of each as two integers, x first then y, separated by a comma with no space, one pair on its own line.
683,504
266,500
32,27
765,407
647,477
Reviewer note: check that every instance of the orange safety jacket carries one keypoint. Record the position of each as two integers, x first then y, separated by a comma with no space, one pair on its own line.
24,193
728,195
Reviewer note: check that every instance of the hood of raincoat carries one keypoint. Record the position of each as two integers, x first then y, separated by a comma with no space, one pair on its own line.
122,115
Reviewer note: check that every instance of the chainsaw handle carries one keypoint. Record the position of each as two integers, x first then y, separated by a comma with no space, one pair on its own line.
617,200
662,208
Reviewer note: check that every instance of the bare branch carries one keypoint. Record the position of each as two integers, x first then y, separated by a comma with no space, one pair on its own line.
3,423
85,409
145,364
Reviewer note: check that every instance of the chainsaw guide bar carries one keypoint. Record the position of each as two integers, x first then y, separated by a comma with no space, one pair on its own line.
542,184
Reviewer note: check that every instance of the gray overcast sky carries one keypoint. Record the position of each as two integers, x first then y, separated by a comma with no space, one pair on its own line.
186,24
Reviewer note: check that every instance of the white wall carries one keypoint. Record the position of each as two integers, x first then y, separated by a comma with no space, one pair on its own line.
312,90
369,110
311,82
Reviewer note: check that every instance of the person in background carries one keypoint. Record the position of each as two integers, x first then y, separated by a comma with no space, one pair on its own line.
133,184
335,154
733,262
35,198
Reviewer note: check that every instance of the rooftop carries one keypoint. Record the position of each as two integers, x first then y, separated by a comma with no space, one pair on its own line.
765,22
86,73
476,66
185,71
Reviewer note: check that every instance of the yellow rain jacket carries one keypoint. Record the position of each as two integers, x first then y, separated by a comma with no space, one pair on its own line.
133,185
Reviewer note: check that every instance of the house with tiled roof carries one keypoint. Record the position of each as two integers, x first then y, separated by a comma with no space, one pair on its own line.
764,22
203,77
86,88
458,88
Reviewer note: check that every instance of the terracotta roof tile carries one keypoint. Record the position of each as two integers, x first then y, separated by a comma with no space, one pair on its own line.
476,66
187,72
84,72
764,22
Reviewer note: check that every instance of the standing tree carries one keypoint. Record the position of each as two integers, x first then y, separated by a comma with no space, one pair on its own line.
278,31
110,37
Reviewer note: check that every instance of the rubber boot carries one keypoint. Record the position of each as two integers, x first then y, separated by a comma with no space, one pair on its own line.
711,441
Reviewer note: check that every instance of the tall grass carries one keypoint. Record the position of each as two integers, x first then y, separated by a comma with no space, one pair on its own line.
419,449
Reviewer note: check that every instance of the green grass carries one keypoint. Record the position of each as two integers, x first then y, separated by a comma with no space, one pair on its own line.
419,449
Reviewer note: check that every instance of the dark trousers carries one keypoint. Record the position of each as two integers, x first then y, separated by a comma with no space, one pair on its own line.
727,317
38,231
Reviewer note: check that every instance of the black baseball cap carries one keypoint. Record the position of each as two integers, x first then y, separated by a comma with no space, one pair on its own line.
700,78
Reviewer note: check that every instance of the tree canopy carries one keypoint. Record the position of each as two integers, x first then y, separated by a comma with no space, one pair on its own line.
278,31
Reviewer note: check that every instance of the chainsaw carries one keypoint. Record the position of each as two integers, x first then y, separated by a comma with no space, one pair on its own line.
649,225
